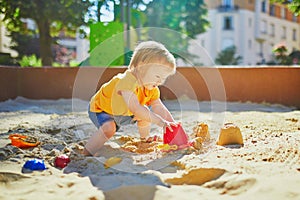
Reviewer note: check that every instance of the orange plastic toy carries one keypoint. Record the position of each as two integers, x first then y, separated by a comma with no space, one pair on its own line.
23,141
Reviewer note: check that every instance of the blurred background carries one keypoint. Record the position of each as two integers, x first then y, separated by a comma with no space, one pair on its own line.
68,32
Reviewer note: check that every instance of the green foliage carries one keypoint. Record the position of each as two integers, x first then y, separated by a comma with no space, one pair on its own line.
281,56
24,44
293,5
6,59
72,63
49,16
228,57
30,61
64,13
187,17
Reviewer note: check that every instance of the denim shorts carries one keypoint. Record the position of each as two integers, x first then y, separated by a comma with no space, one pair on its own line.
100,118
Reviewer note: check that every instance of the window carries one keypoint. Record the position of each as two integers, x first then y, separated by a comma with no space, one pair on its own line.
227,3
272,30
295,18
283,13
283,32
271,47
249,44
272,10
228,23
250,22
294,34
263,27
263,6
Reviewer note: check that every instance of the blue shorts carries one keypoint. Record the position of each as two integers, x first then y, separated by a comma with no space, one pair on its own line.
100,118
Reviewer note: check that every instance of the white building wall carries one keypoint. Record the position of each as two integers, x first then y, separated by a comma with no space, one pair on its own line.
4,40
251,34
82,48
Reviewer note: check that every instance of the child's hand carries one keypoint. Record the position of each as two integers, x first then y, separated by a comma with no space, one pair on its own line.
168,125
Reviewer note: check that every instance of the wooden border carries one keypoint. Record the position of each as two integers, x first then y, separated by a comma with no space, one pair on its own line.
274,84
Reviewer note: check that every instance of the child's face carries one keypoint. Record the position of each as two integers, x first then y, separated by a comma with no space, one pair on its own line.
153,75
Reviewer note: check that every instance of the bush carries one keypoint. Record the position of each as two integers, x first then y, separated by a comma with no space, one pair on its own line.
30,61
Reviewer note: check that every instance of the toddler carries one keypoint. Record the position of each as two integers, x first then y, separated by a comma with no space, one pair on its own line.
126,98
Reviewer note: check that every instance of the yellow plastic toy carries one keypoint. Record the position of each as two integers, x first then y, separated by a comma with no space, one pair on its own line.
111,162
167,147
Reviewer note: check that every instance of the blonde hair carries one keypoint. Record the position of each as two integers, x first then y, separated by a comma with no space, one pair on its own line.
151,52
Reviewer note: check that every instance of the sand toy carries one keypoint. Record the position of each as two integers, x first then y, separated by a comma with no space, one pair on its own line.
23,141
111,162
167,147
33,164
230,134
177,137
61,161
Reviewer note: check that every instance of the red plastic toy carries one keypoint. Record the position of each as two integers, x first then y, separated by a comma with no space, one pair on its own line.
61,161
177,137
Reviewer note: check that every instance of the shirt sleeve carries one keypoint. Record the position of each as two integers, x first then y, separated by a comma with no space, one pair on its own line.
155,94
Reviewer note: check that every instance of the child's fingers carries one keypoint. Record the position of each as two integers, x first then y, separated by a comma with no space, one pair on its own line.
169,127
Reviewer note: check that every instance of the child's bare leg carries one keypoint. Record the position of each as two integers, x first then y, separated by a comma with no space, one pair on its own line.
144,128
97,140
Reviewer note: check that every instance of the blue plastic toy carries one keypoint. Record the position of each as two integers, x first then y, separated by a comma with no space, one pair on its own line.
34,164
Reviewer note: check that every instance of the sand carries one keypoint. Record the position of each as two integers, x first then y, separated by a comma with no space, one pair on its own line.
267,166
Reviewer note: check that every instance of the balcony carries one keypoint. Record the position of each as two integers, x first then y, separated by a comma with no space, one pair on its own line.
228,8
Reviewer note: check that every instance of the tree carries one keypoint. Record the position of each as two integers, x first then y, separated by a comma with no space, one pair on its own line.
281,56
187,17
228,57
21,43
49,16
293,5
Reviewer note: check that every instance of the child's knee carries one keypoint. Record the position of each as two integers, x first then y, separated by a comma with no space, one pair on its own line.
109,129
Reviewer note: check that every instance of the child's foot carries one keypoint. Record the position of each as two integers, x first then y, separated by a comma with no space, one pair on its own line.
85,152
155,138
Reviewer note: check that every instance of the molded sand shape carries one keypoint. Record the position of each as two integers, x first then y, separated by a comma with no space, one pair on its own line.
196,176
201,130
196,143
230,134
137,146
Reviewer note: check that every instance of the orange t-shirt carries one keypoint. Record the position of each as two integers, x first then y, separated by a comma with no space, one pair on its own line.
109,100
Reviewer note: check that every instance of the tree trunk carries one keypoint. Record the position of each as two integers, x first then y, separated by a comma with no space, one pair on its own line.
45,42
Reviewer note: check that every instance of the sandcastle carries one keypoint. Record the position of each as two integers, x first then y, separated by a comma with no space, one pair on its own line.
200,134
230,134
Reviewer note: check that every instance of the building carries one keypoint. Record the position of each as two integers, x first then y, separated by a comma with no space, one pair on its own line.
254,27
5,41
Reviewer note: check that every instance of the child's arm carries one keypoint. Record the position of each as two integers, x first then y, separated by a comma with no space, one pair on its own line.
144,113
160,109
